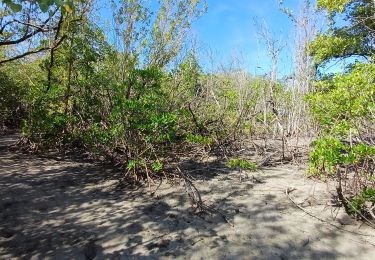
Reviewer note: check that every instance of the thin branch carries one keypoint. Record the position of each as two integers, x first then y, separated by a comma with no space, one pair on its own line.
39,27
24,55
33,51
5,25
50,65
29,35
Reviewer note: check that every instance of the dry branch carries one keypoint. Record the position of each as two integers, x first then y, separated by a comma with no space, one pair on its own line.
196,198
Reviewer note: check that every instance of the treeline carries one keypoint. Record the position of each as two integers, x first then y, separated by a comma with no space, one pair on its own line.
135,100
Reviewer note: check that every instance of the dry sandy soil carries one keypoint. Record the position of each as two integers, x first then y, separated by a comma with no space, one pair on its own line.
68,209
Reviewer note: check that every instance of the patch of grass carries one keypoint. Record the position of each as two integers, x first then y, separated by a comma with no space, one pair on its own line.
242,164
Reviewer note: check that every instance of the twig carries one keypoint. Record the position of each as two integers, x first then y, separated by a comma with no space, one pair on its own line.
153,193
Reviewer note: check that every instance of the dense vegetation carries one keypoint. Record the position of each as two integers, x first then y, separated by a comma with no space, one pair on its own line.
343,104
141,100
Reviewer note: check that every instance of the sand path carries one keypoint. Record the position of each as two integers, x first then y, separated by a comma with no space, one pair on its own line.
68,209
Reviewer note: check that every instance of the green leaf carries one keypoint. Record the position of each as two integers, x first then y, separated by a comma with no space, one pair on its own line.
157,166
44,5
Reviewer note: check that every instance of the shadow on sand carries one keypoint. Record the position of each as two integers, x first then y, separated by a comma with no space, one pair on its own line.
75,210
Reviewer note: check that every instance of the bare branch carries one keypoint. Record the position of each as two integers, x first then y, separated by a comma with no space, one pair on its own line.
24,55
33,52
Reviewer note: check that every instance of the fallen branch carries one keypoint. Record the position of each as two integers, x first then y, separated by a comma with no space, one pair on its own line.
196,198
266,160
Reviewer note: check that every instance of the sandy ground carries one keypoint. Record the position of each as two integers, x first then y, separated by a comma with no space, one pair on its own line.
68,209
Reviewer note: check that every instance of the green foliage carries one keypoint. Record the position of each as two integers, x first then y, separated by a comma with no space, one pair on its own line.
346,99
352,38
15,7
11,95
44,5
333,6
242,164
327,155
343,103
53,117
358,204
133,164
361,152
157,166
16,83
328,158
330,153
47,118
325,47
187,78
120,105
198,139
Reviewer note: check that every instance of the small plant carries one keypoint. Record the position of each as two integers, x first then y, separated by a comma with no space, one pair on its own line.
133,164
362,203
198,139
242,164
157,166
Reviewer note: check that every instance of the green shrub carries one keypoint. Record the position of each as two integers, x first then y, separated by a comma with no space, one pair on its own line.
358,204
198,139
242,164
327,154
333,158
330,153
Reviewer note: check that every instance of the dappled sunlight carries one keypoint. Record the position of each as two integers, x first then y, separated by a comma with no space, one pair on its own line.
74,209
187,129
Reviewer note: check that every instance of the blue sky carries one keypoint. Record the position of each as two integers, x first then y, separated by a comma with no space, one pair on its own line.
229,30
